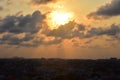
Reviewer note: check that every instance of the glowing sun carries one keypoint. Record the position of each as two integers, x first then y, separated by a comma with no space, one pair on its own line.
59,18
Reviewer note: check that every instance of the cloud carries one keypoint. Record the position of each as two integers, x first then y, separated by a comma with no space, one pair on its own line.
56,36
38,2
20,24
22,30
113,31
74,30
106,11
67,31
10,40
16,39
28,31
28,25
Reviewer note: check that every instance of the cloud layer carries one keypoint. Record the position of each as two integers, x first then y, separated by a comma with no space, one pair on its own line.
29,31
113,31
28,25
38,2
106,11
20,24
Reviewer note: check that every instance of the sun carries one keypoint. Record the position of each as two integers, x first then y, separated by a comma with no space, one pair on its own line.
58,18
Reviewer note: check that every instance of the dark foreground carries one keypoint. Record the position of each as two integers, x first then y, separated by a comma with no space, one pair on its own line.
59,69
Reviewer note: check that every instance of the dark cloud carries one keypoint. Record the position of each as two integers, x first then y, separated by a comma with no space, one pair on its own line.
16,25
10,40
81,27
63,31
20,24
11,27
27,26
67,31
27,41
38,2
113,31
106,11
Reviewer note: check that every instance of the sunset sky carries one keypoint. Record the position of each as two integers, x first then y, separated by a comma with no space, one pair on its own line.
60,28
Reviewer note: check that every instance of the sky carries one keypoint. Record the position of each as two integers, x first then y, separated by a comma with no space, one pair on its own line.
80,29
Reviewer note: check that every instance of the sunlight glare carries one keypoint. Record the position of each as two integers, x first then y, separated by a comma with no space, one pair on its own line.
60,18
